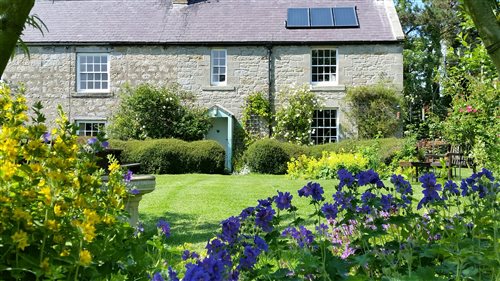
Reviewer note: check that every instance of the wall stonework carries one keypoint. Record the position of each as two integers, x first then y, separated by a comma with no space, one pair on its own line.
50,74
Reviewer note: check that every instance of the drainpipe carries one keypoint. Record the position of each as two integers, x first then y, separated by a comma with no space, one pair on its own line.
270,77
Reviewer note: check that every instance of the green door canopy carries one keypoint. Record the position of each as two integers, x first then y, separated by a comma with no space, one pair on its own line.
224,136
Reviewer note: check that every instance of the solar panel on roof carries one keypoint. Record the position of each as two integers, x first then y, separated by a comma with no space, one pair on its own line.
345,16
321,17
298,17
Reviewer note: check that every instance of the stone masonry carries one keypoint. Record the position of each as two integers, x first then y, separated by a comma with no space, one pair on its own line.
50,74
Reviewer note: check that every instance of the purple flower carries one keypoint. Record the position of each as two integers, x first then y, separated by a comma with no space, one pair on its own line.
369,177
128,176
164,227
316,192
283,200
264,217
195,273
139,228
347,252
487,173
386,202
312,189
46,137
265,202
246,213
135,191
402,186
322,229
329,210
91,141
172,275
342,200
214,246
367,196
303,236
234,276
451,187
157,277
464,187
249,258
186,255
430,190
345,177
260,243
105,144
230,229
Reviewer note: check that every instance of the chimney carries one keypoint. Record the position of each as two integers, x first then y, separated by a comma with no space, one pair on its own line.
180,3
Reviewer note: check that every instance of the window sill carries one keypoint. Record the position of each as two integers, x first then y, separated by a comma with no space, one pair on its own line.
92,95
219,88
324,88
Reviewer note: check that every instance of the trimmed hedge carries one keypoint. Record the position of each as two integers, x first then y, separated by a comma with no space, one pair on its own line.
173,156
269,156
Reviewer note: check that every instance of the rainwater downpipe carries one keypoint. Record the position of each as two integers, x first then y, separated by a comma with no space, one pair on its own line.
270,83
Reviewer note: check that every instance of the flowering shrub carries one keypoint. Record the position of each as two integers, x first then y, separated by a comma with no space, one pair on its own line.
294,117
367,232
57,218
327,166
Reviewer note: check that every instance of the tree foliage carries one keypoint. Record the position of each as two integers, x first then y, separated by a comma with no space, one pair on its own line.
14,14
486,17
147,111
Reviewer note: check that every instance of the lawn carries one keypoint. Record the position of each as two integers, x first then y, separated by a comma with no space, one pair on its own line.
195,204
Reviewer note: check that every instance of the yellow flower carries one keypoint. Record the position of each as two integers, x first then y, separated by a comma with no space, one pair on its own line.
88,230
108,219
57,210
52,225
85,257
21,239
46,191
114,166
8,169
64,253
91,216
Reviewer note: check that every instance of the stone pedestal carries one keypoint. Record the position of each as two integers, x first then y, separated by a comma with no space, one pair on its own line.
145,184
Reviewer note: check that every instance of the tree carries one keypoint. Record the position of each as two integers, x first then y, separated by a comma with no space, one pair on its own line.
428,26
486,17
14,14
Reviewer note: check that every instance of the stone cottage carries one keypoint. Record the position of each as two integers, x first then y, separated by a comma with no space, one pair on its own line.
221,50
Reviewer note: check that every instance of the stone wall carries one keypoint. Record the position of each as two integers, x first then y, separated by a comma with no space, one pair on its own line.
49,75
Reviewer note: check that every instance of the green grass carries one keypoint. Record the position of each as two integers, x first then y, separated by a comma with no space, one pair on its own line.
195,204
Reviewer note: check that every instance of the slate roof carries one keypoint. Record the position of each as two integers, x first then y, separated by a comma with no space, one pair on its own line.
203,22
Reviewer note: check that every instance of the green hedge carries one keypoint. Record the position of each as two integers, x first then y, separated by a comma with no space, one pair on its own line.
173,156
269,156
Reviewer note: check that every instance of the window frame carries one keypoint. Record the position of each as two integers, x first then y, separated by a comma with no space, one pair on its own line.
324,127
89,121
78,73
213,65
325,83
